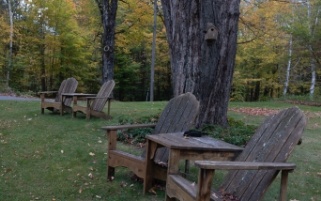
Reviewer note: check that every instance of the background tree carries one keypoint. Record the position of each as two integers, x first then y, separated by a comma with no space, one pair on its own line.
108,11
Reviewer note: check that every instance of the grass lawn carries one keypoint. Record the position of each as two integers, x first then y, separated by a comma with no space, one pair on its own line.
49,157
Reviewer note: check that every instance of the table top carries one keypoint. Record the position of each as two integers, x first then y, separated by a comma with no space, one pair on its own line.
78,94
178,141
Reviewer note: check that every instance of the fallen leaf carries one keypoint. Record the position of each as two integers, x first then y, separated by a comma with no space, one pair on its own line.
152,190
123,184
91,154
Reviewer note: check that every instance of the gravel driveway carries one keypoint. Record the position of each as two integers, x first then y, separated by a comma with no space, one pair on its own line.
17,98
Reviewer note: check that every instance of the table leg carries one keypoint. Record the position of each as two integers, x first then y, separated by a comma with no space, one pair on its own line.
75,99
173,166
62,105
173,161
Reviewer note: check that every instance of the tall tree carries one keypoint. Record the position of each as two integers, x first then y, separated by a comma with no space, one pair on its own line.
108,10
203,63
10,43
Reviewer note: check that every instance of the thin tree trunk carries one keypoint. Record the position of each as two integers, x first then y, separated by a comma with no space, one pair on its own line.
288,69
9,68
152,69
313,59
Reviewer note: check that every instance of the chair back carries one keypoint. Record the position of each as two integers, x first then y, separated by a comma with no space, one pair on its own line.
103,95
178,116
60,90
274,141
69,87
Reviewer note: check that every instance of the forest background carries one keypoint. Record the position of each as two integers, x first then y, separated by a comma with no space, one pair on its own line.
278,48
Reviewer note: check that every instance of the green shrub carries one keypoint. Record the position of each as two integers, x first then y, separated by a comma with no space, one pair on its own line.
137,135
237,132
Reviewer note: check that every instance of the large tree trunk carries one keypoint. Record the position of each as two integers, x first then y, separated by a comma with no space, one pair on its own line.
203,67
108,10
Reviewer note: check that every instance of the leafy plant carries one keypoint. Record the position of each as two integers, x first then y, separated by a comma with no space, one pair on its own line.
137,135
237,133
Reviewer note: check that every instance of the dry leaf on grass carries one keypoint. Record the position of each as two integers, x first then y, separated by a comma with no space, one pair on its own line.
152,190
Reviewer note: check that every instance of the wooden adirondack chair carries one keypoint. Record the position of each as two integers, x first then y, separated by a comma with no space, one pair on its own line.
67,86
178,116
95,105
254,169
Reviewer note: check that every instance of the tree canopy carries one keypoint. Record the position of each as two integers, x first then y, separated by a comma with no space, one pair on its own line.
56,39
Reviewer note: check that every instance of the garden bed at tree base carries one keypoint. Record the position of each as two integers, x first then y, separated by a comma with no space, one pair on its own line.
305,102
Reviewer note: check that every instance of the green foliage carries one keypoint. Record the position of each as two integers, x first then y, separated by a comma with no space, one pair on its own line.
137,135
61,38
237,132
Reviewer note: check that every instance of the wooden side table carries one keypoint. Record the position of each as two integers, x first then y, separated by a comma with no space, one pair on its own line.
185,148
75,97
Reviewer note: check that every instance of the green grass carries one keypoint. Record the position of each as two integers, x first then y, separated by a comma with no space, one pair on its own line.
49,157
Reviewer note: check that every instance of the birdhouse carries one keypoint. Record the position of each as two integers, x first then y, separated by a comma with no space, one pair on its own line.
211,32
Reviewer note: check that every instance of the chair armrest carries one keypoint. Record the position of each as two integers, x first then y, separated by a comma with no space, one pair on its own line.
43,93
237,165
92,98
129,126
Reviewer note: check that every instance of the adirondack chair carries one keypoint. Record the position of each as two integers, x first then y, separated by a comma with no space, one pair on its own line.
68,85
95,105
178,115
255,168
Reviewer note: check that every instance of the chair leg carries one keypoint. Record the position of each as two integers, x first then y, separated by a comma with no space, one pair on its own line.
110,173
167,198
284,184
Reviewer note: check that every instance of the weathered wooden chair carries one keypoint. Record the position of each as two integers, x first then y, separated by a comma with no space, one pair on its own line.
95,105
68,85
254,169
178,116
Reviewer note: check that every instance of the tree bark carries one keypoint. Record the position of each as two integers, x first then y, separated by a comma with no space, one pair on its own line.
203,67
108,10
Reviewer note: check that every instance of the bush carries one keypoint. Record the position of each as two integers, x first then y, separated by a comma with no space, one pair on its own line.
137,135
237,132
